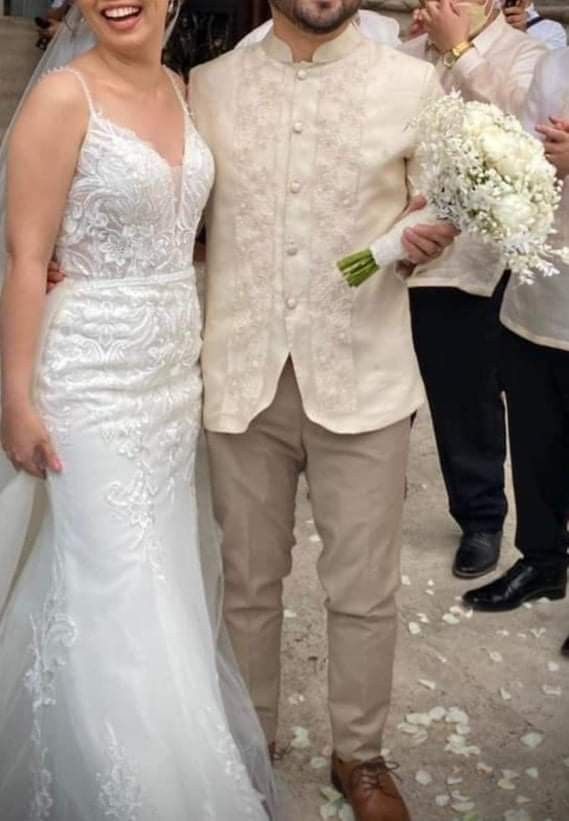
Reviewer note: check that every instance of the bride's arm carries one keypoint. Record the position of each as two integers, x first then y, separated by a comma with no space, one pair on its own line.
42,158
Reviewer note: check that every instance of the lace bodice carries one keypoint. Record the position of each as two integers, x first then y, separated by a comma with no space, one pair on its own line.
126,211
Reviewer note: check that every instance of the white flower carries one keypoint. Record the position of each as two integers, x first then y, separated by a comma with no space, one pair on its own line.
487,176
495,144
477,120
513,212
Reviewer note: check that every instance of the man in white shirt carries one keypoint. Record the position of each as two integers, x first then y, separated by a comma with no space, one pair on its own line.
456,303
536,378
525,17
314,144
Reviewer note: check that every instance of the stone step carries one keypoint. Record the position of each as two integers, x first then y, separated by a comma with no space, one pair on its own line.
18,58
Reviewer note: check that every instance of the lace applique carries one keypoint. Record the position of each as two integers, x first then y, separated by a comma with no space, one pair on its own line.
53,633
146,405
233,765
135,502
42,779
123,214
120,794
257,112
334,210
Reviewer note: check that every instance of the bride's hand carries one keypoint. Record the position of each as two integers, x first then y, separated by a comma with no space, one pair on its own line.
27,443
54,276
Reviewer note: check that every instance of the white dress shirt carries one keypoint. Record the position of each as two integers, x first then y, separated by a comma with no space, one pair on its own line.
549,32
374,26
540,312
313,162
498,69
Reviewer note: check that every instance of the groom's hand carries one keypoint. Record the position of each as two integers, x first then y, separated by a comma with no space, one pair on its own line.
54,276
425,243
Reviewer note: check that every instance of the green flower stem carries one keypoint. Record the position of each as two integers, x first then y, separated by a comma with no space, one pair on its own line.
358,267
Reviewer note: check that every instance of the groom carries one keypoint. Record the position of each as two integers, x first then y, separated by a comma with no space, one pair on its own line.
314,146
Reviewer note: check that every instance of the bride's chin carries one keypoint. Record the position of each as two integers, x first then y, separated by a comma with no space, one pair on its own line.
135,40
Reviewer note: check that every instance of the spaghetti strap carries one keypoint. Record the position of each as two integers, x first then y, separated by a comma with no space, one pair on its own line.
84,86
173,79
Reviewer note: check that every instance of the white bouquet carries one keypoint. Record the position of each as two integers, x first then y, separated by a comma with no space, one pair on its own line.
484,174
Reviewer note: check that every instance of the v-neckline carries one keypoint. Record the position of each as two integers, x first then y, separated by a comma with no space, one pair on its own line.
130,132
179,198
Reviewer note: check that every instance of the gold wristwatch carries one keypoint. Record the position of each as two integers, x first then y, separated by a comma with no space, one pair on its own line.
452,56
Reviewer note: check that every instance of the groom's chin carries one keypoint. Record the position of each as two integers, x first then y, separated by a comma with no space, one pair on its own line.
318,16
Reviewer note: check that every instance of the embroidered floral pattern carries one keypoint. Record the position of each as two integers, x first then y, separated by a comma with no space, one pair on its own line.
334,211
256,134
53,633
233,765
120,794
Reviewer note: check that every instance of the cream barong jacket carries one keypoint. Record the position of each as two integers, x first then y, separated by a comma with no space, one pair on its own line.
314,161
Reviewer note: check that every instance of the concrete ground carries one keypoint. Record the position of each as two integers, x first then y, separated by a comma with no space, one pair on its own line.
503,671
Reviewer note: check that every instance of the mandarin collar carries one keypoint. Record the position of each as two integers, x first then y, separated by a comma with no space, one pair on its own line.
341,46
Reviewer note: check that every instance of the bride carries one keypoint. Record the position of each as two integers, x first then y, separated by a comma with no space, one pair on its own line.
116,699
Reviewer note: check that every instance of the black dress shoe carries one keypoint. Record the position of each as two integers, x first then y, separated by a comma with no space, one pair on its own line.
523,582
478,553
565,648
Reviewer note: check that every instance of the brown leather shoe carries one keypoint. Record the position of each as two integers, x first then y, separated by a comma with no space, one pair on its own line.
370,789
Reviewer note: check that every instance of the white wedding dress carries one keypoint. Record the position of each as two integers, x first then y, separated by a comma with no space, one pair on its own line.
114,700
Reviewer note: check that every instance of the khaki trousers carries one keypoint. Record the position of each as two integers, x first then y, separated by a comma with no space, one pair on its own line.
356,487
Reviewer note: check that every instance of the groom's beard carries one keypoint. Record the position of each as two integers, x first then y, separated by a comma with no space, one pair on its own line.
318,16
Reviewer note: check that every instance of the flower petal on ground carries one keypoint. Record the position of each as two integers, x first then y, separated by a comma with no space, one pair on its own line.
550,690
301,740
463,806
424,778
505,784
532,740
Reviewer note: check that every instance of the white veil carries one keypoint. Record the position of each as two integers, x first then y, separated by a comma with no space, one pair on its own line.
22,498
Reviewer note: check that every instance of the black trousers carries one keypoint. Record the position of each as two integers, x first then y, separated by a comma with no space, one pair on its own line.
457,339
536,379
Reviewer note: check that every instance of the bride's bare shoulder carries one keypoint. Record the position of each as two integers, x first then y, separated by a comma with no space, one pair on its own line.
55,106
57,94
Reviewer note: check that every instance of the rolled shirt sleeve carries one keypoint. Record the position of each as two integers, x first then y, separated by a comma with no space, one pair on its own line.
483,80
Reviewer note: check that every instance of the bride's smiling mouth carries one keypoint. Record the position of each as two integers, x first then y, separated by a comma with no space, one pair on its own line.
123,18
